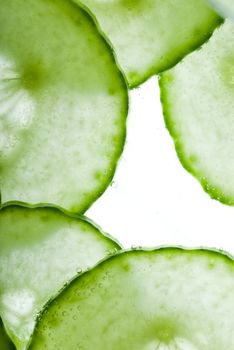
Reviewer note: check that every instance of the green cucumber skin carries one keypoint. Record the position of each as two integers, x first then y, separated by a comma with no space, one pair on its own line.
212,188
23,234
5,342
169,57
96,303
80,203
213,192
224,7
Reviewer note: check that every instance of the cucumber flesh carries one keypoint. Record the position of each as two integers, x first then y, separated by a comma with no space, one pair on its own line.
5,342
198,103
40,250
63,105
224,7
163,299
150,36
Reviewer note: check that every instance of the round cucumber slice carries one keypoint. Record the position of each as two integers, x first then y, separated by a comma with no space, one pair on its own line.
150,36
40,250
63,105
163,299
5,342
224,7
198,103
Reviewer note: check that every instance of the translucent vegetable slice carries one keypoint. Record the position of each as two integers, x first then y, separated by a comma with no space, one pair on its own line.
150,36
63,105
5,342
225,7
164,299
198,103
40,250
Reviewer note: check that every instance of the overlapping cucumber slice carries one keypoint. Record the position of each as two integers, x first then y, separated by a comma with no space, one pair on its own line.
5,342
150,36
224,7
198,103
63,105
161,299
40,250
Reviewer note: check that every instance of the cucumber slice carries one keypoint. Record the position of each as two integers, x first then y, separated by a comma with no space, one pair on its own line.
150,36
163,299
5,342
63,105
198,103
224,7
40,250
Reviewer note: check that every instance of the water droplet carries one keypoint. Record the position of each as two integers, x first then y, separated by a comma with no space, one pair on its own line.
110,252
114,184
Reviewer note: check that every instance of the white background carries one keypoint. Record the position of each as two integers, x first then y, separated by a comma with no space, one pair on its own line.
153,200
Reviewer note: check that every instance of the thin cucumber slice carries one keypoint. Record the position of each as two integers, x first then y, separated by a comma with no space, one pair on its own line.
150,36
224,7
163,299
198,103
40,250
63,105
5,342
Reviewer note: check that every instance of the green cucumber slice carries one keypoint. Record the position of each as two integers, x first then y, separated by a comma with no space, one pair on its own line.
162,299
40,250
198,103
63,105
150,36
5,342
224,7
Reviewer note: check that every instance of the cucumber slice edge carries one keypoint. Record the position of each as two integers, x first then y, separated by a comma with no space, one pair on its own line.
155,69
5,342
212,253
214,192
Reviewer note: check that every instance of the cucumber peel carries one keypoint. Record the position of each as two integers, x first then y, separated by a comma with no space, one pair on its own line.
40,250
198,104
167,298
5,342
150,36
63,106
224,7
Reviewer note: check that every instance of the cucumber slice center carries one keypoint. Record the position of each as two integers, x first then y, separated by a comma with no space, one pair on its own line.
165,332
168,337
32,76
16,107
